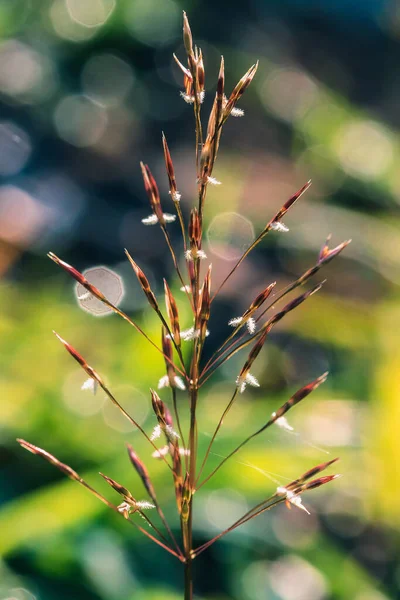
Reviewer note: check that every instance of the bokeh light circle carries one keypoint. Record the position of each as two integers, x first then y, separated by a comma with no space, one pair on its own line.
79,121
229,235
105,280
107,79
153,22
133,401
90,13
364,149
15,148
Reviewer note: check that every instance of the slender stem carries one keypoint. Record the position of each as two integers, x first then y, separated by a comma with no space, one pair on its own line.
132,420
176,412
251,514
227,409
115,509
166,525
188,579
239,262
182,223
178,350
227,457
140,330
151,524
175,261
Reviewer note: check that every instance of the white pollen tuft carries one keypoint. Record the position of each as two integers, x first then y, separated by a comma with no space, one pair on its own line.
237,112
90,384
151,220
195,253
156,433
283,424
278,226
251,325
188,99
169,218
235,321
144,505
243,382
213,181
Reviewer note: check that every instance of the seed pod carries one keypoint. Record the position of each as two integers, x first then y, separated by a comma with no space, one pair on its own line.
144,283
173,315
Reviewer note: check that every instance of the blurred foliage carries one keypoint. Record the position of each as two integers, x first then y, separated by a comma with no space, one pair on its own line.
86,88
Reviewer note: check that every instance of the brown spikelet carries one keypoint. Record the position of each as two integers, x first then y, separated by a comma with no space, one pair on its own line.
255,351
170,171
119,488
200,71
316,483
296,398
166,346
291,306
173,315
194,229
50,458
187,36
79,358
206,160
259,300
288,204
239,90
205,304
78,277
326,255
153,194
184,70
310,473
160,410
141,471
144,283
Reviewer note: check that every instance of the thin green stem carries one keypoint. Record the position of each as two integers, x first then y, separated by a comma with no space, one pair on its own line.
227,409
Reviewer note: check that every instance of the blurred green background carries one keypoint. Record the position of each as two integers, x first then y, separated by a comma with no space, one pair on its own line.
86,89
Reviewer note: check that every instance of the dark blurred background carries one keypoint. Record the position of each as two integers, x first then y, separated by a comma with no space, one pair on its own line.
86,88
